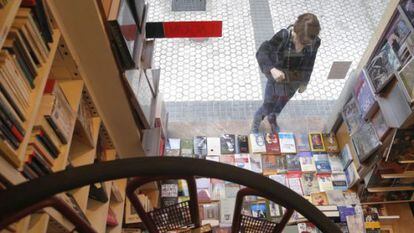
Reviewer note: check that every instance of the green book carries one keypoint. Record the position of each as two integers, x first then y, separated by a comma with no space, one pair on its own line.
187,147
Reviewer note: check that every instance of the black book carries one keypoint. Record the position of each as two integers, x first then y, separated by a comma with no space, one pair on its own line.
35,167
17,49
228,144
28,172
9,136
48,145
42,163
11,126
10,117
169,192
97,192
12,102
41,19
242,145
22,40
56,129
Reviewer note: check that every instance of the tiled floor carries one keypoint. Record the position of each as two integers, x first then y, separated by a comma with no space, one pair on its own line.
219,79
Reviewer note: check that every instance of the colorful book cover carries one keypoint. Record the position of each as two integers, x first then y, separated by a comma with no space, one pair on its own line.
257,143
371,218
352,115
302,142
228,143
366,141
281,164
293,163
256,163
242,161
346,156
227,159
187,148
339,181
272,143
335,163
309,183
330,142
213,146
269,164
316,142
319,199
325,183
401,148
322,163
259,210
294,183
364,96
307,162
336,198
287,143
280,178
203,195
380,125
200,145
242,144
345,211
307,227
352,175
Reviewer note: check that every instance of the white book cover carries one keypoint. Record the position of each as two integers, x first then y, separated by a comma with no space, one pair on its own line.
325,183
256,163
226,211
175,143
295,184
257,143
307,163
213,146
242,161
336,163
336,197
214,158
287,143
280,178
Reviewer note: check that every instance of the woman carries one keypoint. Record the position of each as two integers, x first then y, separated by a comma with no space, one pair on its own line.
287,61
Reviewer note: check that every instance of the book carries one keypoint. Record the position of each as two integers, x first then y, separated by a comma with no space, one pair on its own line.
200,146
336,197
352,175
226,211
242,144
356,222
306,162
371,218
281,164
242,161
319,199
41,18
309,183
287,143
365,97
213,146
214,158
227,159
280,178
294,183
257,143
256,163
169,192
231,189
173,147
228,143
259,210
307,227
316,142
401,147
352,116
293,163
211,211
217,189
111,219
346,156
339,181
97,191
366,141
336,163
302,142
272,143
203,195
325,183
274,209
269,164
330,142
322,163
187,147
380,125
345,211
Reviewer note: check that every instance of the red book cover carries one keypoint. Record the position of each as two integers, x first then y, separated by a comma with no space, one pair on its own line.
17,134
28,2
111,218
50,86
272,143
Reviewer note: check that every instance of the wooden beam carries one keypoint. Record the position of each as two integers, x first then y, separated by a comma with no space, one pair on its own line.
82,27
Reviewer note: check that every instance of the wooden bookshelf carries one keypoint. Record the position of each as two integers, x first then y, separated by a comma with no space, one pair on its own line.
406,174
390,189
7,15
38,223
118,207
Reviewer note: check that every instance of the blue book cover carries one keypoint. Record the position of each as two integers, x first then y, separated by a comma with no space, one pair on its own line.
345,211
259,210
322,163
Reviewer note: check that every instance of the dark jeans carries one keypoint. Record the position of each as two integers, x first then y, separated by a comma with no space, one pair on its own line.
271,109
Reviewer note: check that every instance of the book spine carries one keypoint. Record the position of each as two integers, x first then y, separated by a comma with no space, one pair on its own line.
35,167
11,123
12,102
58,132
123,53
44,165
49,141
9,136
29,173
46,144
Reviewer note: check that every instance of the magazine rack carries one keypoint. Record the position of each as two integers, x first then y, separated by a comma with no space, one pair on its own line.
243,223
174,217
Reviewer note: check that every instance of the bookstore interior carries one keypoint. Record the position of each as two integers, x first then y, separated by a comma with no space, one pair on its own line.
85,144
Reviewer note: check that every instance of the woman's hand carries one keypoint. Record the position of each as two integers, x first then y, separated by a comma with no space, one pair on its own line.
277,75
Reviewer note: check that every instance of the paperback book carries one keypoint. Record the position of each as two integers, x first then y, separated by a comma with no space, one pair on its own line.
345,211
402,147
213,146
281,164
346,156
319,199
325,183
242,144
256,163
309,183
336,163
302,142
227,159
380,125
173,147
200,145
339,181
294,183
365,98
280,178
242,161
316,142
331,144
187,147
293,163
352,116
307,227
366,141
306,162
274,209
226,211
322,163
272,143
257,143
259,210
287,143
352,175
269,164
228,143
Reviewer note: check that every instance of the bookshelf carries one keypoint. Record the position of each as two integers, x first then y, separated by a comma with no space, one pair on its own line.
7,15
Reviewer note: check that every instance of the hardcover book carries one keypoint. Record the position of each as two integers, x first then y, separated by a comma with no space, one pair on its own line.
242,161
406,76
187,147
257,143
316,142
228,143
331,144
319,199
366,100
287,143
228,159
322,163
335,163
294,183
293,163
269,164
302,142
200,146
242,145
366,141
325,183
306,162
352,116
272,143
339,181
309,183
256,163
213,146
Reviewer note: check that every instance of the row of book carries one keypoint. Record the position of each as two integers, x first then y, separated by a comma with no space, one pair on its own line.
3,3
268,143
52,129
